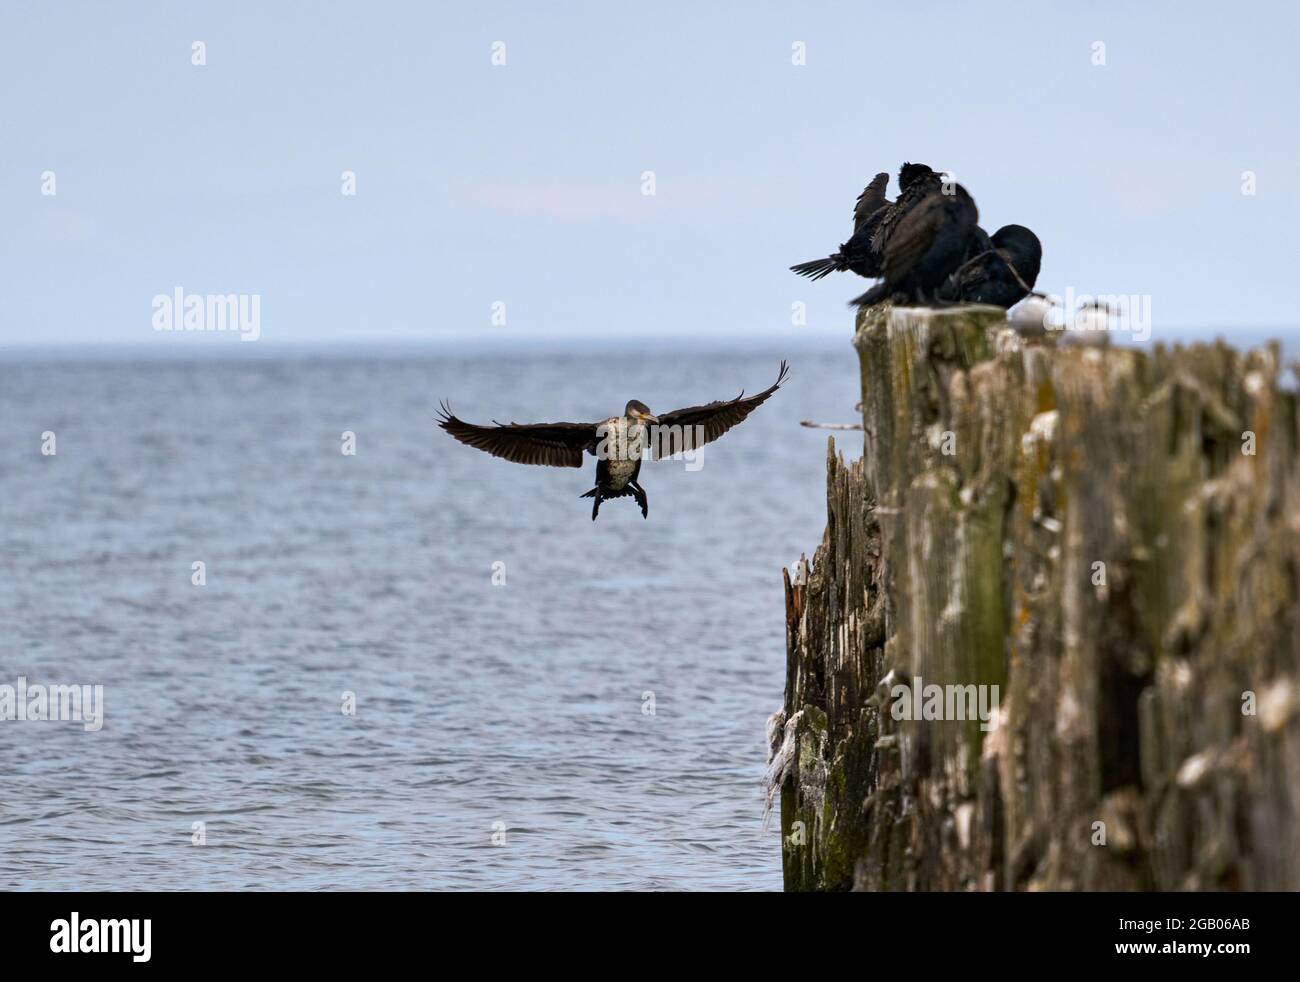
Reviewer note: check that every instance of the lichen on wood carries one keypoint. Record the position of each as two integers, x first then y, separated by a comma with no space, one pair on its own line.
1109,536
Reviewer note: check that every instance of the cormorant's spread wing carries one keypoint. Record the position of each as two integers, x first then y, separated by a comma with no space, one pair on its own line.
914,235
715,419
550,444
870,200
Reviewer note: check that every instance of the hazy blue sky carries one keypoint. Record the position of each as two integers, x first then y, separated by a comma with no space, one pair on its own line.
522,183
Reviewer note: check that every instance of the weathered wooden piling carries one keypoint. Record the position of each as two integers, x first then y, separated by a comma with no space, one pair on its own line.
1109,536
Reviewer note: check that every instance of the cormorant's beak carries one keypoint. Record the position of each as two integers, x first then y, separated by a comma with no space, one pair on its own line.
647,417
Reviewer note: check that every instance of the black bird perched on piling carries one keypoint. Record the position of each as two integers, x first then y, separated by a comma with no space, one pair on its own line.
618,443
915,183
856,254
923,241
1002,274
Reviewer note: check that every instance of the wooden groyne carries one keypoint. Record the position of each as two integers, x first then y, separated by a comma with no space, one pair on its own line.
1109,536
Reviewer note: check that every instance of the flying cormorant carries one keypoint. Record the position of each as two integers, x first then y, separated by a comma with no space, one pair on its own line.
618,443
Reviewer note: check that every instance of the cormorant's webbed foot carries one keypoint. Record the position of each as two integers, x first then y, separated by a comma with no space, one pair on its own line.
642,500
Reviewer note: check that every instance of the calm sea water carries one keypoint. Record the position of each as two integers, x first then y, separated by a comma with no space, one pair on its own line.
515,709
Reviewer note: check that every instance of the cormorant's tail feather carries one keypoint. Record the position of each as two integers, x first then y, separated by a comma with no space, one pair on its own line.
817,268
876,294
602,495
627,492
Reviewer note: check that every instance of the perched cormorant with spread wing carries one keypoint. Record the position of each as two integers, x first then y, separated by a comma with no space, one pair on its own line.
617,443
923,245
858,253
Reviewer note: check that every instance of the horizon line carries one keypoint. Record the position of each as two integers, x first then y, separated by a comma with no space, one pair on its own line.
231,347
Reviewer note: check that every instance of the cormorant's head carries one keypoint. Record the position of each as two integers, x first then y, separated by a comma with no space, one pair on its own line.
909,174
1016,237
1023,250
1023,246
640,412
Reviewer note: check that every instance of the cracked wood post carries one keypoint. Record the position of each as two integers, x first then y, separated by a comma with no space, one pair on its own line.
1088,529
